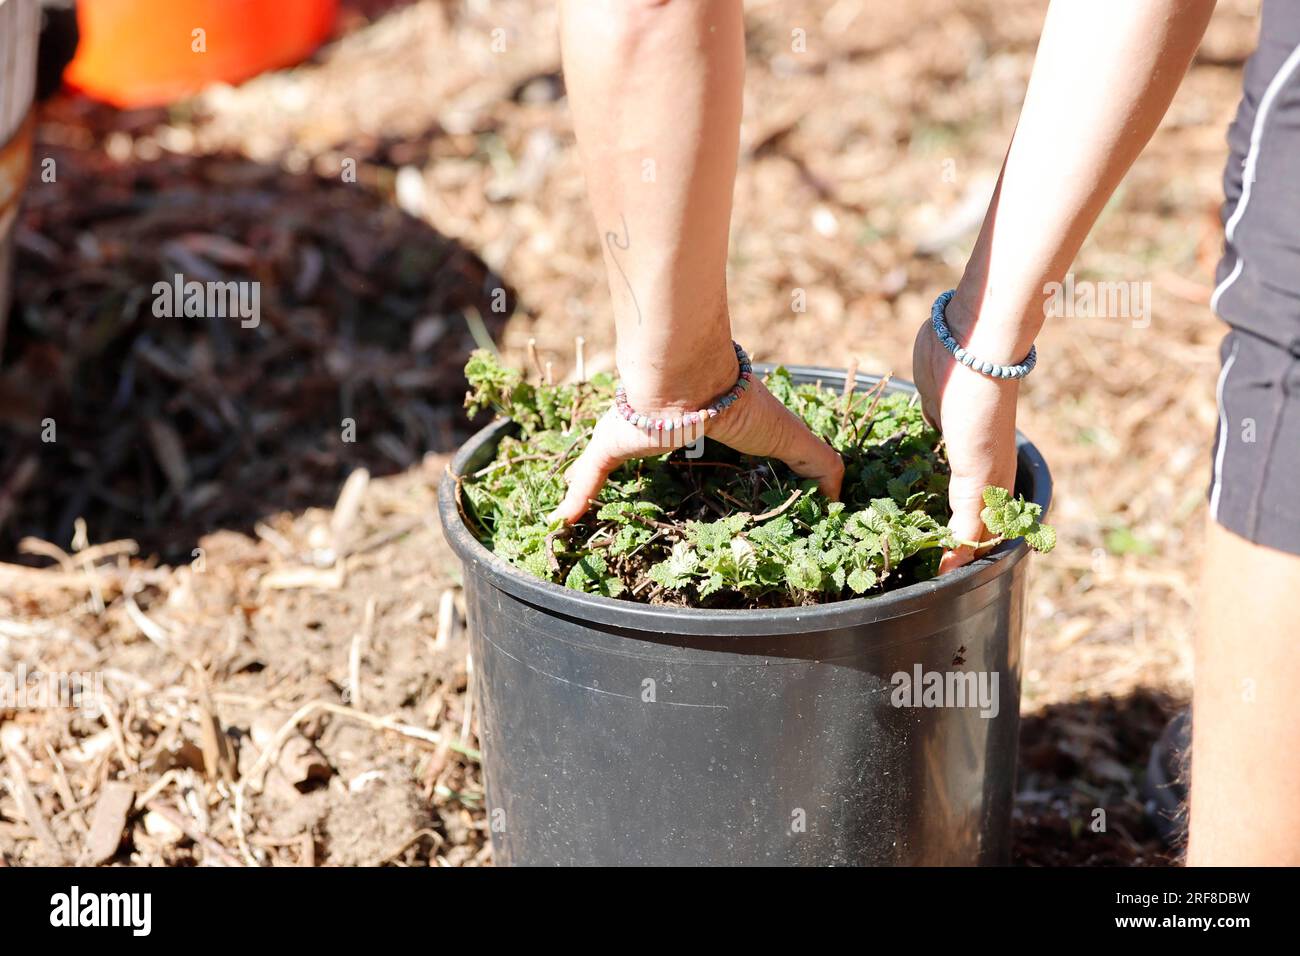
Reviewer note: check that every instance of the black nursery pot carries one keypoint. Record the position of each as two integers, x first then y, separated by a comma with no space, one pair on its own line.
871,731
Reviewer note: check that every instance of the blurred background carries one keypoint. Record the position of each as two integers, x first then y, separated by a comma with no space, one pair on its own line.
232,524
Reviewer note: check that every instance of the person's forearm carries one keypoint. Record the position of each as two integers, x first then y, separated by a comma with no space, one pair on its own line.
655,90
1105,73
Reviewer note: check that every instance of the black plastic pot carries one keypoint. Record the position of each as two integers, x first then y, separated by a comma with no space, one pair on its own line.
623,733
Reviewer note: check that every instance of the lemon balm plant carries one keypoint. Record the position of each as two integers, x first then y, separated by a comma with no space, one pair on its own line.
723,530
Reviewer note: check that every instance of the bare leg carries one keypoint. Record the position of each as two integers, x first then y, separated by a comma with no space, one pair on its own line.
1245,797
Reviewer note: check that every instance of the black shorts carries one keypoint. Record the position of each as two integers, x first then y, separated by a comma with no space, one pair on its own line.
1255,483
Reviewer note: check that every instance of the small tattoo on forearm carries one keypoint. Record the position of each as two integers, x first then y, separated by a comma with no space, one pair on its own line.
612,242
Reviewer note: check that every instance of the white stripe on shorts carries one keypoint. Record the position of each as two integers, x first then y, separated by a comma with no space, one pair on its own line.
1252,160
1223,433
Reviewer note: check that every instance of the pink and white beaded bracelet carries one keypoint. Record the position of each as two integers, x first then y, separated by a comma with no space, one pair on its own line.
713,410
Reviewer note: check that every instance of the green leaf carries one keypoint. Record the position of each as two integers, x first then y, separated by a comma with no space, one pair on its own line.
711,585
623,512
995,497
1015,518
711,535
678,570
591,575
804,574
536,565
1041,538
861,580
773,533
886,507
770,573
628,538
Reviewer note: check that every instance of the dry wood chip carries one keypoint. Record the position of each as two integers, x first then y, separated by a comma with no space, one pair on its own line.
170,452
108,822
299,761
286,579
162,829
31,811
347,507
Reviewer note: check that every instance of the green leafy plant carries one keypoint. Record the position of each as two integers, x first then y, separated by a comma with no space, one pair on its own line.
724,530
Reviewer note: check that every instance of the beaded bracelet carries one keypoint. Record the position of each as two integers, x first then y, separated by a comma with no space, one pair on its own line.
991,369
713,410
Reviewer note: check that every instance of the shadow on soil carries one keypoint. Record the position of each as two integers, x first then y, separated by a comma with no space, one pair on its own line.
163,427
1080,758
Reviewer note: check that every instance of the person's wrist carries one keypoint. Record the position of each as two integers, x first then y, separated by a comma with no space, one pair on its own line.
679,383
990,333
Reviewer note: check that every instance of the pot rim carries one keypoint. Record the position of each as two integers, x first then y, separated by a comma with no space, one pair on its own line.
557,599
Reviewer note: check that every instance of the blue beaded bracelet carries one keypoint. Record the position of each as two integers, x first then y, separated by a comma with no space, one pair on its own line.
991,369
658,426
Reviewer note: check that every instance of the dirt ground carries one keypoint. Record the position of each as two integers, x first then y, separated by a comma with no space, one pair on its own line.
282,646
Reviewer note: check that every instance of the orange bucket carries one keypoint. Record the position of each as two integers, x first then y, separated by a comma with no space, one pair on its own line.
149,52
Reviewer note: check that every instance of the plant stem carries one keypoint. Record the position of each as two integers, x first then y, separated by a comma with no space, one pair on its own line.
779,508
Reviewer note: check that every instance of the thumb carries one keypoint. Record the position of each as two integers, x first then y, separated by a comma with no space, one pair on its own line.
810,457
765,428
585,477
966,498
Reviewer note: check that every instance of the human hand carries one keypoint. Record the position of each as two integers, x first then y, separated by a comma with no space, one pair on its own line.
756,424
977,416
